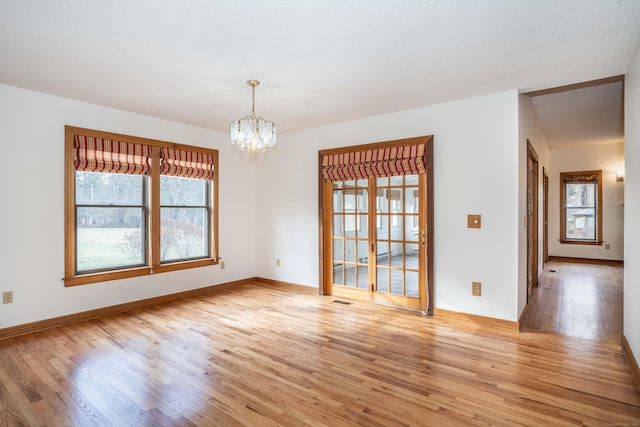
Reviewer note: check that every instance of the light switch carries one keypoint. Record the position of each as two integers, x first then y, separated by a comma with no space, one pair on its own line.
473,221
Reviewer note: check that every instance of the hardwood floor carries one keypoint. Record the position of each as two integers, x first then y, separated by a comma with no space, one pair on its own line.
578,300
282,355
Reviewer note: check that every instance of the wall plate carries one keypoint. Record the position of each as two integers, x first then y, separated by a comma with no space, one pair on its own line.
474,221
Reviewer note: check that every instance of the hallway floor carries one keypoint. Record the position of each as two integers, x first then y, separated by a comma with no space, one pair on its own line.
578,300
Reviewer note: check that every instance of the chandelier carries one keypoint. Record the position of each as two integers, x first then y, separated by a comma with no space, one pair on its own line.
252,133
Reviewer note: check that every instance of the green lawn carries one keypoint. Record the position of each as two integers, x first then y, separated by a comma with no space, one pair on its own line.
100,248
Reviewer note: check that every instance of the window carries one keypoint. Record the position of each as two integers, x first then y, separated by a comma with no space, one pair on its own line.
136,206
581,213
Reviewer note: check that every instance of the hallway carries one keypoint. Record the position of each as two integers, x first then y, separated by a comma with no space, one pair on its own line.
578,300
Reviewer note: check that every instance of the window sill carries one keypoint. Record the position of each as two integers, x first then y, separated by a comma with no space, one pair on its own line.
580,242
135,272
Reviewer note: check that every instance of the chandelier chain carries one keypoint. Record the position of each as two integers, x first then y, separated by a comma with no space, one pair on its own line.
253,100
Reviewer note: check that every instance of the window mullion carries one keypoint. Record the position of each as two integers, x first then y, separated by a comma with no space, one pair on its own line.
154,207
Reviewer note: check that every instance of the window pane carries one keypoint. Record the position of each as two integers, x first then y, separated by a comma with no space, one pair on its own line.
383,221
382,202
350,201
363,201
580,195
94,188
396,222
580,223
396,282
350,275
363,225
397,255
338,273
350,225
363,251
396,180
337,225
176,191
382,279
411,256
411,231
109,238
183,233
363,277
382,253
411,283
337,201
351,251
338,253
411,180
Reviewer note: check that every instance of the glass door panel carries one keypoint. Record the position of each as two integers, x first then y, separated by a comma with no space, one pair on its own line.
398,232
350,237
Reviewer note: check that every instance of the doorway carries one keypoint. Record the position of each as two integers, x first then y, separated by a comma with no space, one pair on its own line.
377,223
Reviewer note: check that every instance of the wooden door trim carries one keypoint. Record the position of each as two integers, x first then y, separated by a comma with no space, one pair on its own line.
322,286
545,215
430,229
533,156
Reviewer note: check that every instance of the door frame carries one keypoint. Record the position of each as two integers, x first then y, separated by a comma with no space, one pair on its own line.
324,206
532,220
545,215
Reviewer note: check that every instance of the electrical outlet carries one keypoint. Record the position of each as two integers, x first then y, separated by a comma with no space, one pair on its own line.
7,297
277,262
476,289
607,246
221,265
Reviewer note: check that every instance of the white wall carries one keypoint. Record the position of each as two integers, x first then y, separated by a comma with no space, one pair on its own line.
530,130
606,157
476,172
32,214
632,205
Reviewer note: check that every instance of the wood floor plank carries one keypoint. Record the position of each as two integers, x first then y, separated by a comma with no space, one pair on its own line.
275,354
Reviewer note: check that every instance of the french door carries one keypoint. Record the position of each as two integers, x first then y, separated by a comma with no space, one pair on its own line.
376,239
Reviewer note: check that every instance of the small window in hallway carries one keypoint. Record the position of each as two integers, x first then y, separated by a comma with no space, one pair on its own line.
581,212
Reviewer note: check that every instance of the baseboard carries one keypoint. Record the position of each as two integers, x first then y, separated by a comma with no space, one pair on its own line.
311,289
491,322
438,313
525,310
633,363
40,325
612,262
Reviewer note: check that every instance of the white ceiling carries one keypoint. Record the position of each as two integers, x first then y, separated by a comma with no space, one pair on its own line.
582,116
319,61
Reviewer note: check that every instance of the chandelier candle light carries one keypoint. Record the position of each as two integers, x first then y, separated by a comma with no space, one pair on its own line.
253,133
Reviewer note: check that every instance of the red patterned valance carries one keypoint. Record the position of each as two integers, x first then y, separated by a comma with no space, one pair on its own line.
110,156
376,163
187,164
